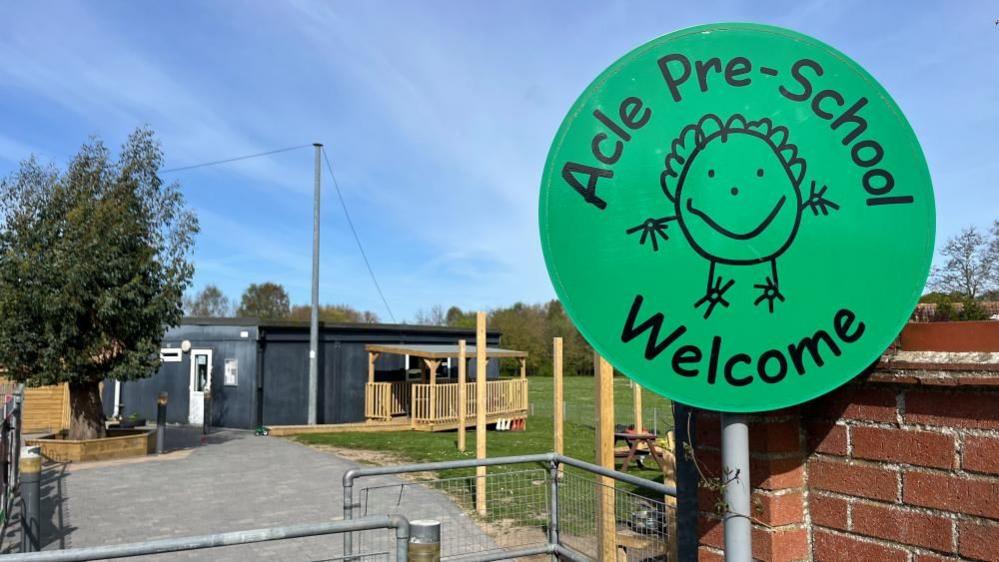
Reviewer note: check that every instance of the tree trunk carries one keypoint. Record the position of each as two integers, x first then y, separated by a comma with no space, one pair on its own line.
86,413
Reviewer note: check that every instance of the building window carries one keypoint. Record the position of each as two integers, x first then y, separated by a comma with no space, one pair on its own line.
231,372
170,355
200,373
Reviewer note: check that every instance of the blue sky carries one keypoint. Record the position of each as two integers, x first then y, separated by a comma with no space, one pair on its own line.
437,115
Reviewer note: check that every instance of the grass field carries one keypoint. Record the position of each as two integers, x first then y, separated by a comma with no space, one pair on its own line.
412,446
579,398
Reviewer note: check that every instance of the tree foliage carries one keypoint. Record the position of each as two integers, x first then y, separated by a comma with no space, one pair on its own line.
530,328
266,301
971,263
93,265
434,317
210,302
270,301
334,314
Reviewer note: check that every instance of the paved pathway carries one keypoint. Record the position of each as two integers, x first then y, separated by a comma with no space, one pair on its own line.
232,481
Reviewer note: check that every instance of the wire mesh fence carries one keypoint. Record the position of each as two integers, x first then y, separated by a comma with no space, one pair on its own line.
643,526
10,446
517,512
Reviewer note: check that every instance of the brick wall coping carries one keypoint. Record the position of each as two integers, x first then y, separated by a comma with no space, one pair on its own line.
894,374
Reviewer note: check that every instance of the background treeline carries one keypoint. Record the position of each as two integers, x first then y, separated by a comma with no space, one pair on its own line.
527,327
267,301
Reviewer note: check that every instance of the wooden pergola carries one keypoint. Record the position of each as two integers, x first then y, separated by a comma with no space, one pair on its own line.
437,406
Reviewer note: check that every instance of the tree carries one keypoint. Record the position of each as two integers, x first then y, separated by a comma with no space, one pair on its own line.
334,314
266,301
456,318
435,317
93,265
993,251
971,264
577,355
531,328
523,329
211,302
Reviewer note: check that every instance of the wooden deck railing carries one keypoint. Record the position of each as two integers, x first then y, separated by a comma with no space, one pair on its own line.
439,403
382,400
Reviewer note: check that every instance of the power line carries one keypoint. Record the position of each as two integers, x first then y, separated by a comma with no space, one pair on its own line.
339,194
357,239
234,159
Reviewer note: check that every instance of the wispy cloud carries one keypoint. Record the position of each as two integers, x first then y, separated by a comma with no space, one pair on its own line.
14,151
438,118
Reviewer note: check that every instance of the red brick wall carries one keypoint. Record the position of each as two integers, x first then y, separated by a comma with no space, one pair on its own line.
778,478
900,465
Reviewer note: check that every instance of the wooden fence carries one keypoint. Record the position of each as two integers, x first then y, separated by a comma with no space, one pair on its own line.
46,408
439,403
383,400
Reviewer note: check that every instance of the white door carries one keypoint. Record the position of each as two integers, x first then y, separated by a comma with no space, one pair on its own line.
201,382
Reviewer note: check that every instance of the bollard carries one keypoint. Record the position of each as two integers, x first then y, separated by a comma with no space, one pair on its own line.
17,425
31,478
161,406
207,415
425,541
4,459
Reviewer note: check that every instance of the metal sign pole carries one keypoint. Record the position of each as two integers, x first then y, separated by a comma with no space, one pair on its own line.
735,474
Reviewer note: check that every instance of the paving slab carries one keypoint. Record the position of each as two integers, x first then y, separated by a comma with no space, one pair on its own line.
228,481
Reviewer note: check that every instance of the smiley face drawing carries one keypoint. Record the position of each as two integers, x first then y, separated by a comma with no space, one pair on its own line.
736,190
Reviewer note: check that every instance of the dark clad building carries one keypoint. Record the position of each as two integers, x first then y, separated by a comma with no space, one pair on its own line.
257,372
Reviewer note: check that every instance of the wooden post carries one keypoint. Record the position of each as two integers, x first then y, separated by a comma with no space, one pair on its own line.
480,410
384,409
557,391
636,390
523,367
462,399
606,523
432,367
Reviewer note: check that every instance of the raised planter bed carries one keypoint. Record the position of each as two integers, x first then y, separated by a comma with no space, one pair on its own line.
120,443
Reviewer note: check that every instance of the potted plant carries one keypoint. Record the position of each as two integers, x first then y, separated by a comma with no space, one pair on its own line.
132,421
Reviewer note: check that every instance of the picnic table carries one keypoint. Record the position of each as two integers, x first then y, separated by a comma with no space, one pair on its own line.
634,441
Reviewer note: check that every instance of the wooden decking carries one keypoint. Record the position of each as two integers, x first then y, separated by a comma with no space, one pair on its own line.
397,424
367,426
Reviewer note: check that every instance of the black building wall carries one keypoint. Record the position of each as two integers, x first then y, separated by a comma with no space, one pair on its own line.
343,367
273,367
233,406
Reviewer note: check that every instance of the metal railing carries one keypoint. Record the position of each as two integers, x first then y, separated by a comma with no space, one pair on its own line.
553,509
10,447
397,522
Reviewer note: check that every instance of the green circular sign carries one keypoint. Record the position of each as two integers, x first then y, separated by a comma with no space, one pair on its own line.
737,216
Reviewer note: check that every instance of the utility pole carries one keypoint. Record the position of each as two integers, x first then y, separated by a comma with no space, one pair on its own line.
314,318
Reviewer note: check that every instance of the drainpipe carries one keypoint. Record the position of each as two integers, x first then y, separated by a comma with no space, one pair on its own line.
259,390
